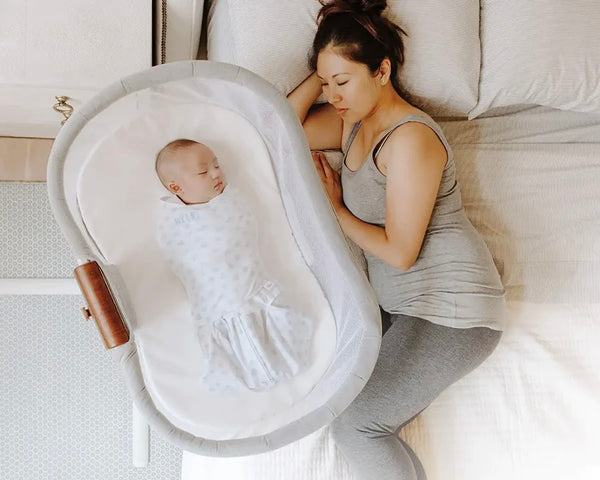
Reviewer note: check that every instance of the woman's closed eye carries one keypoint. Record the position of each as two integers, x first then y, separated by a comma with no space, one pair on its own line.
202,173
338,84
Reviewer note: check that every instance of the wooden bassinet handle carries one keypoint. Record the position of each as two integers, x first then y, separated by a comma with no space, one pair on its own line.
101,304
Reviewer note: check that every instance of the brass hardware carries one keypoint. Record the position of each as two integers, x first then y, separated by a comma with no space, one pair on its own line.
63,107
86,313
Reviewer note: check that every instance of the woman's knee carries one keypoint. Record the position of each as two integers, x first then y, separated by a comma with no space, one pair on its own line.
352,424
347,424
487,342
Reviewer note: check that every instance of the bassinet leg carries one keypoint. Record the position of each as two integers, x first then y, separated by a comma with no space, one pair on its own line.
141,440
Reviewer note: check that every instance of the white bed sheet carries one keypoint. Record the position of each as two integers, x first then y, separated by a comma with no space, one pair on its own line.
537,206
525,124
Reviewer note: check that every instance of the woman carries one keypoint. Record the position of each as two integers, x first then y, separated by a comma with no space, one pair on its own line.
397,198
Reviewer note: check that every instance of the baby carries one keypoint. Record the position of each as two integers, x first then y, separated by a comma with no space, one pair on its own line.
209,237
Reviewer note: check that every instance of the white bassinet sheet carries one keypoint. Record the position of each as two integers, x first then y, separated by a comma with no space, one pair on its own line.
118,194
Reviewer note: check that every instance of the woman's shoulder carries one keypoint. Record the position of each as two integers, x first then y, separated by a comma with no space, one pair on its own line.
414,134
416,125
410,114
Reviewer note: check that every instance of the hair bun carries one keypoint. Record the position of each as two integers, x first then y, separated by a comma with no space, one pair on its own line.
368,7
372,7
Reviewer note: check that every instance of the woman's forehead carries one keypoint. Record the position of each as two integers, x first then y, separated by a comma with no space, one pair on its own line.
331,62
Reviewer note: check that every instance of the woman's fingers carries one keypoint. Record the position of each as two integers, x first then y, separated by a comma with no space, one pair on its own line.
316,156
327,170
321,164
329,177
330,174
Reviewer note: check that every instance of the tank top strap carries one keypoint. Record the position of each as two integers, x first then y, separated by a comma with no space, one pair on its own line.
411,118
351,137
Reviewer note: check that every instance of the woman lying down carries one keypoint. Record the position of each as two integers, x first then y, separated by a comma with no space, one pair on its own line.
250,339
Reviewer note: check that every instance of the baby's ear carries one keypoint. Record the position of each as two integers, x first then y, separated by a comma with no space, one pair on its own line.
174,188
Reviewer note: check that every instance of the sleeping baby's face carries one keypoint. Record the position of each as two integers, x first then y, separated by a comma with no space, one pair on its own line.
197,176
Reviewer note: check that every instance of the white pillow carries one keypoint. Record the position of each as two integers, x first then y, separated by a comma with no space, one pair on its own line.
272,38
543,52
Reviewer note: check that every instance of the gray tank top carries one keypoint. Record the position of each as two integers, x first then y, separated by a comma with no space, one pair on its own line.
454,281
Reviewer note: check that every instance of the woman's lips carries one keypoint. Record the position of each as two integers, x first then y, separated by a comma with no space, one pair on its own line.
341,111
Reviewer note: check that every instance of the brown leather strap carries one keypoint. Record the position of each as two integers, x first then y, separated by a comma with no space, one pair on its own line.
101,304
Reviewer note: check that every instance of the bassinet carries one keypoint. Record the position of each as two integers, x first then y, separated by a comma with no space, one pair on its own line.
103,193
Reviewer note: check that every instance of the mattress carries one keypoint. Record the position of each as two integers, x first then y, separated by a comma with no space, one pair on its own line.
529,182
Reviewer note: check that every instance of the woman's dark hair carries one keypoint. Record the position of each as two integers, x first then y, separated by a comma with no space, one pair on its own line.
361,33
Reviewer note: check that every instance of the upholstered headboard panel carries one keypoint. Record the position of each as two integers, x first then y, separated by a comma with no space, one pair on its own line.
177,28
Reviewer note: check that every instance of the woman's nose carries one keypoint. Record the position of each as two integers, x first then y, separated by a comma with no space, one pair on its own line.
332,95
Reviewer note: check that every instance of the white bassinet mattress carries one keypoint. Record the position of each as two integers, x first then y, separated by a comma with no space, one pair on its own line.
118,194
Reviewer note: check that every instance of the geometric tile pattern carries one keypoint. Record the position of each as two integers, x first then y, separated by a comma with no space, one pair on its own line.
31,244
64,409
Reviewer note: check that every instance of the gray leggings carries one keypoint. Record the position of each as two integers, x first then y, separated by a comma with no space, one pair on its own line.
417,361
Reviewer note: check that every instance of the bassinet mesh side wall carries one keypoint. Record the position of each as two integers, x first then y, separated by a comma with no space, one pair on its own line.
308,211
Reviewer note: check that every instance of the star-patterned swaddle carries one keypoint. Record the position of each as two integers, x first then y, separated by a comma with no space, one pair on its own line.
249,340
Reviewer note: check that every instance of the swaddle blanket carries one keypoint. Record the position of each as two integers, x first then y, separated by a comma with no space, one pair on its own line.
250,337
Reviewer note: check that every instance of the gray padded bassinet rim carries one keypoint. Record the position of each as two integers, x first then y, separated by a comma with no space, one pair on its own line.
126,355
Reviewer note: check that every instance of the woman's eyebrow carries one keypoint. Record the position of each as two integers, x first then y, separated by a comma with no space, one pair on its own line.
333,76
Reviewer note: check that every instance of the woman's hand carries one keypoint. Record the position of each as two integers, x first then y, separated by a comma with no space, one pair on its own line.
330,180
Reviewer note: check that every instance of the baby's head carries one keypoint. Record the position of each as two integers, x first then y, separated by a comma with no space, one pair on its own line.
190,170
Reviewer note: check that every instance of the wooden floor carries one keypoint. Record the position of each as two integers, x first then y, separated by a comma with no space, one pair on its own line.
24,159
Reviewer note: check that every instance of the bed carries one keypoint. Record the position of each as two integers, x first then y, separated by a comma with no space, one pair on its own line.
521,110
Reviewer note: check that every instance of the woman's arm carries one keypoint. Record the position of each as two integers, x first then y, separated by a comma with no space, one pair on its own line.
414,164
414,160
304,95
322,125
